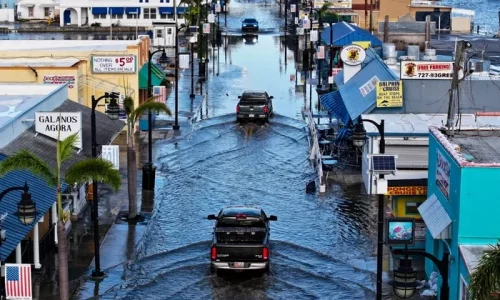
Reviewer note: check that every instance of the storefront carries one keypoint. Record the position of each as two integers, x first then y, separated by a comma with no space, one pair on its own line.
90,67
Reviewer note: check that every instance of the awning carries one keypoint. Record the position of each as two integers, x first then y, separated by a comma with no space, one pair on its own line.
116,10
156,79
166,10
99,10
42,194
132,10
335,105
181,10
435,216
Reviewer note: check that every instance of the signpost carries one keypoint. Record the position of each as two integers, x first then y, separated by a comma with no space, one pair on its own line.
125,64
66,123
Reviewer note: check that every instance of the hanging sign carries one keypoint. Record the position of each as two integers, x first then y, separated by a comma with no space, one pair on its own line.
390,93
60,79
426,69
211,18
292,77
292,8
313,36
217,8
18,281
353,55
206,28
184,61
296,20
320,53
52,124
306,24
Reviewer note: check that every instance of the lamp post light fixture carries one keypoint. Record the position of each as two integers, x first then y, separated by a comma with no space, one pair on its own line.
405,279
148,170
26,208
113,112
359,140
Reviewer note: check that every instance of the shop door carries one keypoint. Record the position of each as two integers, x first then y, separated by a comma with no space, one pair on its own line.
67,17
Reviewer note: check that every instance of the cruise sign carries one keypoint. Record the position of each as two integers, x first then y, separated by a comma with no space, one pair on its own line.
125,64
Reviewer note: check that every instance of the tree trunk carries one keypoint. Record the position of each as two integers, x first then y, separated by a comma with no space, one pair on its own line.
62,253
132,181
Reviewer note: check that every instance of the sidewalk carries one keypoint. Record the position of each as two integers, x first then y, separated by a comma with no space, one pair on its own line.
118,238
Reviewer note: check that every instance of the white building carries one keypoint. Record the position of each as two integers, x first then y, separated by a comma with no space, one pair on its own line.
37,9
138,13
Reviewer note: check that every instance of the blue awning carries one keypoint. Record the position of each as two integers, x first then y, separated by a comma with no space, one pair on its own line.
132,10
334,103
345,34
181,10
42,194
166,10
116,10
99,10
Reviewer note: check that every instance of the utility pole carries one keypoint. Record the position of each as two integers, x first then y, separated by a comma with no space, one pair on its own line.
371,16
458,65
386,29
366,14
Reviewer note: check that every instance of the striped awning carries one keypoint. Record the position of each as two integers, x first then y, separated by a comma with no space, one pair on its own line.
334,103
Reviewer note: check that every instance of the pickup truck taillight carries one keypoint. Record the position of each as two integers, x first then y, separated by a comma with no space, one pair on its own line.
213,253
266,109
265,253
237,108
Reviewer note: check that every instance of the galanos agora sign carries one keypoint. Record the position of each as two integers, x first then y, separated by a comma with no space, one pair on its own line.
52,124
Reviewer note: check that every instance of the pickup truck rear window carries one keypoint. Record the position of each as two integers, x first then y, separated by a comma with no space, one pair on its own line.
231,222
249,101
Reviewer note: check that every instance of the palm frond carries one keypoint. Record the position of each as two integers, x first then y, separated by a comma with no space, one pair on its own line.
150,104
25,160
128,103
94,169
66,146
485,280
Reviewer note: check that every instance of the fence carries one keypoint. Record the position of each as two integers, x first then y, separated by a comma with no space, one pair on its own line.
315,151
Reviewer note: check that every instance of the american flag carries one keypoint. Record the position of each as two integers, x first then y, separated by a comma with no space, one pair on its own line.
18,281
160,94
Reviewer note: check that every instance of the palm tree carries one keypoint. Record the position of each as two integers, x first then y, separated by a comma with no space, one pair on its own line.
133,115
80,172
485,281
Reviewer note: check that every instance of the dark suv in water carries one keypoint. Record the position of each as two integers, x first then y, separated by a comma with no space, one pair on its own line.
254,105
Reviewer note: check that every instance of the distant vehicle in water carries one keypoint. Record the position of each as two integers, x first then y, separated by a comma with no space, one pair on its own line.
240,239
254,105
249,25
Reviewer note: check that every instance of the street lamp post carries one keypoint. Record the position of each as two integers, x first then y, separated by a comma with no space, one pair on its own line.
148,170
176,121
406,288
331,53
192,41
113,112
359,140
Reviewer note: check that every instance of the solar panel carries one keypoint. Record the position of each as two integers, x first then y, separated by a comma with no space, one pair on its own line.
383,163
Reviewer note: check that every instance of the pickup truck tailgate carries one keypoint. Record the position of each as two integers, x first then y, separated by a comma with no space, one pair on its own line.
234,252
240,243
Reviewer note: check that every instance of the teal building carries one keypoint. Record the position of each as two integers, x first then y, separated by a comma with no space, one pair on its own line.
463,179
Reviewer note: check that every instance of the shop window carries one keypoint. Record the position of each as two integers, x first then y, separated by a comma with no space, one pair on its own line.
411,207
46,12
159,33
30,12
169,31
117,16
150,13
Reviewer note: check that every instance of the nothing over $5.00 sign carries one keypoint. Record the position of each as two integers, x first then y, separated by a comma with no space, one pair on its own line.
125,64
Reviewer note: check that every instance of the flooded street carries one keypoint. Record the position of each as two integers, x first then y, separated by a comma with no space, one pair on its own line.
322,246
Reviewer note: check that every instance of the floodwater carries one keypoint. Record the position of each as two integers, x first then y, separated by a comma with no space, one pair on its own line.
322,245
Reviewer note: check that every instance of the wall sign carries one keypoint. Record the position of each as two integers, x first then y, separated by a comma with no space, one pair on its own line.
369,86
411,69
60,79
390,93
443,171
341,4
353,55
68,123
400,231
406,190
125,64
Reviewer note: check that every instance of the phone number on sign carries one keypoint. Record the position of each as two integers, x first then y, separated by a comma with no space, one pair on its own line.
435,75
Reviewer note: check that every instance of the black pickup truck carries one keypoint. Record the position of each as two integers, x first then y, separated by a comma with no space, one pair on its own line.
240,239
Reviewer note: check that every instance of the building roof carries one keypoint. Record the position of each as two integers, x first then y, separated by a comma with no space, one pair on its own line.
37,62
472,254
345,34
16,99
43,195
472,148
65,45
372,69
418,124
45,147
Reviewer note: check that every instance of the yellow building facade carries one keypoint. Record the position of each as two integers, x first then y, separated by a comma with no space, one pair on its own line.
89,67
